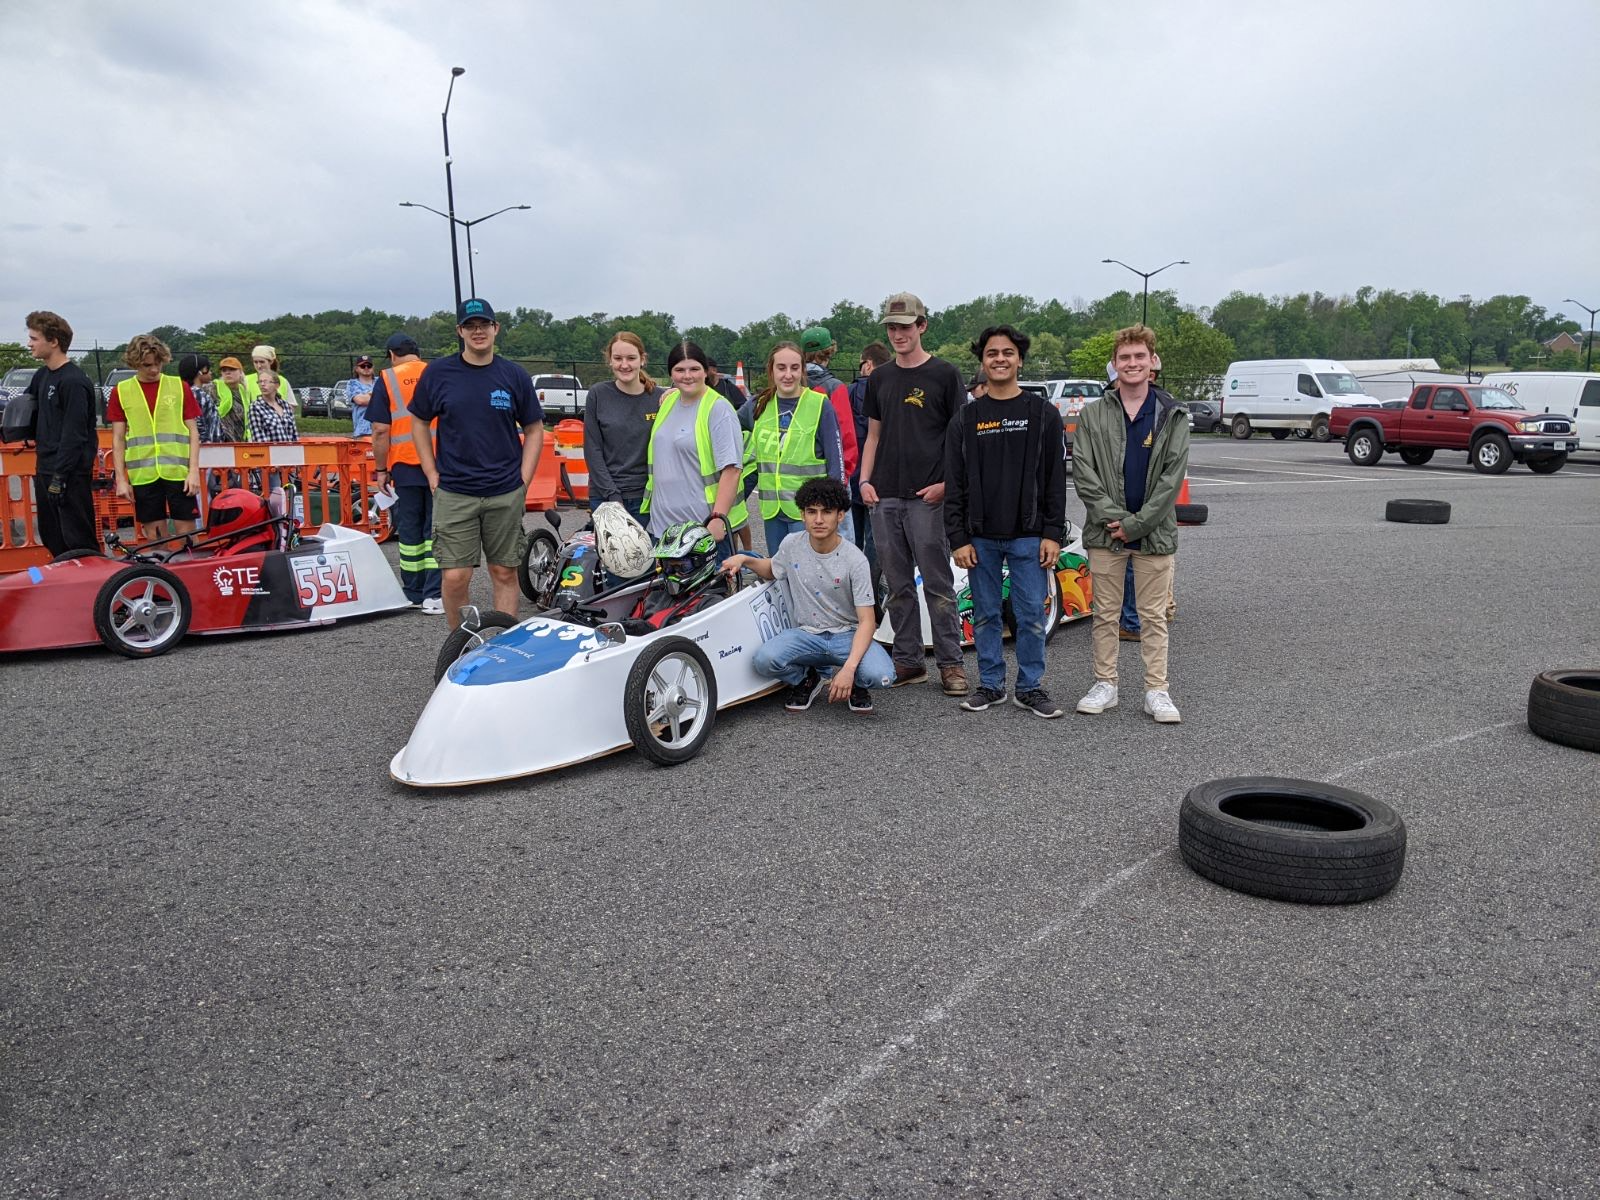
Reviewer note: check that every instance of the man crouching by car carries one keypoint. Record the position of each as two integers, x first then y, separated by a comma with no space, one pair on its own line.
830,600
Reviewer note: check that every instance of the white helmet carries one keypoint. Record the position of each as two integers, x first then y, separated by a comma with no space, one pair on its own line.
624,546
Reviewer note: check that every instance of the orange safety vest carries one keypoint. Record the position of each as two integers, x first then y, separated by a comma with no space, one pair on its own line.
401,384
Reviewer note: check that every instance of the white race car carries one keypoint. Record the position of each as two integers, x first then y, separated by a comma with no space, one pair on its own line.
594,688
1069,597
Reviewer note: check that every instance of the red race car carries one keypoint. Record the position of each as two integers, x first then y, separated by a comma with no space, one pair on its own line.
248,570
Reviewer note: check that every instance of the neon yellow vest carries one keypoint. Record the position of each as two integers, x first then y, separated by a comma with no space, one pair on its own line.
159,448
225,397
786,460
709,475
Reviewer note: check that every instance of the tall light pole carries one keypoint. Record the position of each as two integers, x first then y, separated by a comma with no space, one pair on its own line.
450,187
1144,317
1588,354
472,278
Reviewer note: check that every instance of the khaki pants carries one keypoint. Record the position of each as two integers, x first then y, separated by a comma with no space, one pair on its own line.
1152,591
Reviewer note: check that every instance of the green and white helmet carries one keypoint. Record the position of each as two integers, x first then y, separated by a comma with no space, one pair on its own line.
686,557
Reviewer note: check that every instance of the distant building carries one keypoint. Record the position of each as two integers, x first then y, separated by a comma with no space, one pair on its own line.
1563,341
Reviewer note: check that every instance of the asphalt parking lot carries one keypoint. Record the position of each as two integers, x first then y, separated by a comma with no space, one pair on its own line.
926,953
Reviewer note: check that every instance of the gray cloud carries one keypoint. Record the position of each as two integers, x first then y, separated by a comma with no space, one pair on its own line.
724,161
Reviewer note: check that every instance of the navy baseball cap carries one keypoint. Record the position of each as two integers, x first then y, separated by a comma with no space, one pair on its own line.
474,309
402,343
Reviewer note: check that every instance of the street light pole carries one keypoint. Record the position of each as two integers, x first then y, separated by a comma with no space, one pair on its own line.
1144,316
450,190
472,278
1588,353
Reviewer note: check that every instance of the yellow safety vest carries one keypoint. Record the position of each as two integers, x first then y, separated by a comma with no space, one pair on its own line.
710,476
786,460
158,447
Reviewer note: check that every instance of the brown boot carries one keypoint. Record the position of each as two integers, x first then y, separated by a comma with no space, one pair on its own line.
954,681
905,673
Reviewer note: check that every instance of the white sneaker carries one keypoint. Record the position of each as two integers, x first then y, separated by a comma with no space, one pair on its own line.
1101,696
433,606
1160,706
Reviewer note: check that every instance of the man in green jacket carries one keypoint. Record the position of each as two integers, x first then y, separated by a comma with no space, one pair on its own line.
1128,462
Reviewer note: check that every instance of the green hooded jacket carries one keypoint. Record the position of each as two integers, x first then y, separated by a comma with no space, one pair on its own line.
1098,450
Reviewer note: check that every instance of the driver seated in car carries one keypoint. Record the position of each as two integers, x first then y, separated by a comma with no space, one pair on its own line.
686,581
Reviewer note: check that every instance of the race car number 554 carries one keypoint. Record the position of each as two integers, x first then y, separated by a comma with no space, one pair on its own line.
325,579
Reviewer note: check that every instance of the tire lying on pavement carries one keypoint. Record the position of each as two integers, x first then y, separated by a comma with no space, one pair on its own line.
1292,839
1418,512
1564,707
1192,514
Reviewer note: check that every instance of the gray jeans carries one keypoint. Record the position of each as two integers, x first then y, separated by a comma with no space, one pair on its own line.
910,537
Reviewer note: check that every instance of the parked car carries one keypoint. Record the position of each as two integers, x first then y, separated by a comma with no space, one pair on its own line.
1205,416
1487,423
1069,396
313,401
560,396
15,382
1283,395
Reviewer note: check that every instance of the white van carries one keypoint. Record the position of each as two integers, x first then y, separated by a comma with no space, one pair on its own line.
1286,394
1573,393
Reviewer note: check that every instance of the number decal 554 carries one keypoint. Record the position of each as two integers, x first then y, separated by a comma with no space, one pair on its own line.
325,579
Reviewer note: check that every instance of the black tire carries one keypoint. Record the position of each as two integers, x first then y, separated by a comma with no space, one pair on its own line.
536,572
1364,445
1192,514
1491,454
1292,839
69,555
491,621
1239,427
1319,430
1280,435
1052,608
654,701
1415,456
1548,465
142,611
1564,707
1418,512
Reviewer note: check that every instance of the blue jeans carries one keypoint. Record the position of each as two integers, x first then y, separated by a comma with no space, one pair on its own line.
1028,588
1130,612
786,657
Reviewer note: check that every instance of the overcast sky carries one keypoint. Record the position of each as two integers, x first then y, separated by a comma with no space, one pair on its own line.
177,163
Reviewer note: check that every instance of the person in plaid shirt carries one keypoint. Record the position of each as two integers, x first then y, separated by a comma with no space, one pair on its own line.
271,420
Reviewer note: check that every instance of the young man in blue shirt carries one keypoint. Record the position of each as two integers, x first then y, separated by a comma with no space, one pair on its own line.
489,435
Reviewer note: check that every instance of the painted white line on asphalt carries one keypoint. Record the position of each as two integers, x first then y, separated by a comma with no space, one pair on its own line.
876,1063
1281,471
1449,741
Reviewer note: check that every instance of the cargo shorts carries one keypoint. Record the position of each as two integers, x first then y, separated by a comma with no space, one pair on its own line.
467,528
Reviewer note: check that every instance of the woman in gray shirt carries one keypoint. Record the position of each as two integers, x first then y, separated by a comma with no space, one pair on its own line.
617,417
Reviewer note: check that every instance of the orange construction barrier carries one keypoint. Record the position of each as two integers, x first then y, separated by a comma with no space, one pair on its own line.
574,470
332,475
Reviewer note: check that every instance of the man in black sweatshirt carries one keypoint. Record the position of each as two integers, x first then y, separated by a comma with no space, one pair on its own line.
64,398
1005,509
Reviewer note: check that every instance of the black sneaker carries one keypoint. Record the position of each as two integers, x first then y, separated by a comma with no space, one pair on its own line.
983,698
860,700
799,697
1037,702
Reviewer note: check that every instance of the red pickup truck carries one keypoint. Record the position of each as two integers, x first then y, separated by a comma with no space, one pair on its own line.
1484,421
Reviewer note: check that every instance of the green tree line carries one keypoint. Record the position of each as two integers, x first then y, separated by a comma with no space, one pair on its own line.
1196,343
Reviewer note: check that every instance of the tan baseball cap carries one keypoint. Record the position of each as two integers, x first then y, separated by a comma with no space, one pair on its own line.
902,308
230,361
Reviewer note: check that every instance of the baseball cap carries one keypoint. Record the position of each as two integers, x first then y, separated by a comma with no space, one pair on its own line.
231,361
474,309
364,361
402,343
816,338
902,308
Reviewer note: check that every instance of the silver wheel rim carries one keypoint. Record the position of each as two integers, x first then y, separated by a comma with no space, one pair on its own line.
541,565
1489,454
677,701
1363,446
144,613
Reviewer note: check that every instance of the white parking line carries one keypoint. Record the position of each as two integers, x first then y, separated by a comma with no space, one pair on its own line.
1281,471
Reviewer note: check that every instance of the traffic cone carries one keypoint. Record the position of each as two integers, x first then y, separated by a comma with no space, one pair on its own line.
1183,492
738,376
